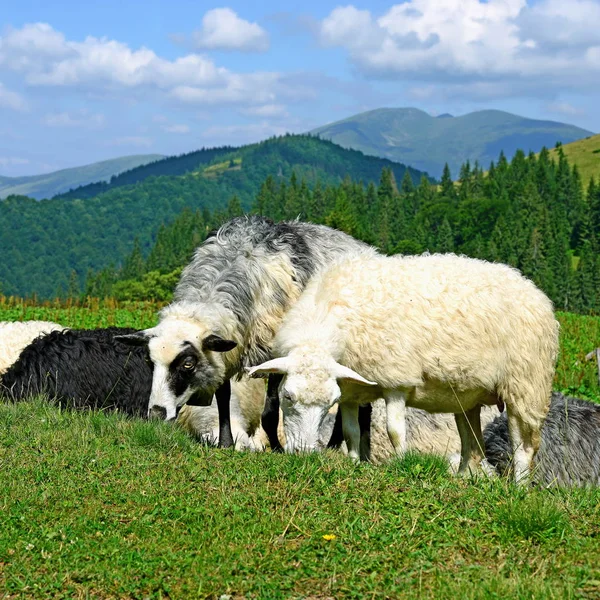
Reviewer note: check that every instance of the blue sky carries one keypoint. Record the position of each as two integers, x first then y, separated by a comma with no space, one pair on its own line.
81,82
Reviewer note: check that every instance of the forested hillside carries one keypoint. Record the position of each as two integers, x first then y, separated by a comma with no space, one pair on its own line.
47,247
532,213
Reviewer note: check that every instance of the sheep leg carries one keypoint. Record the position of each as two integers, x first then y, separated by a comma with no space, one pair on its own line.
525,442
395,405
351,427
337,435
471,440
223,395
270,415
364,421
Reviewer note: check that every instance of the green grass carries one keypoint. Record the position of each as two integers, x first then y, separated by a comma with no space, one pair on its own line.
220,168
95,505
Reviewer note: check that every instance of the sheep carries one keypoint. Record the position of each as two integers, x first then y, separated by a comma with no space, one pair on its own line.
89,369
444,333
14,336
228,306
569,453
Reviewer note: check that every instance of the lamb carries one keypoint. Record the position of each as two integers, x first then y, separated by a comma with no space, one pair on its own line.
569,452
444,333
228,306
14,336
89,369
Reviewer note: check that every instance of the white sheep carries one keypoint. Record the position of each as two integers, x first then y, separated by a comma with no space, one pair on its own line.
14,336
444,333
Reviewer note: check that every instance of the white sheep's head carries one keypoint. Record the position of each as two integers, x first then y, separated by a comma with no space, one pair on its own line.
306,393
188,364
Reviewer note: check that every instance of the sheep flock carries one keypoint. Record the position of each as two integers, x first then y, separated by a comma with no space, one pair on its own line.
296,336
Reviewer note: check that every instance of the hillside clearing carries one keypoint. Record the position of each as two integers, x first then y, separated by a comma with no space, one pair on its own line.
585,154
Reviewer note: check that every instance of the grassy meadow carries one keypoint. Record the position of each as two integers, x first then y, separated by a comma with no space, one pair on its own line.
585,154
94,505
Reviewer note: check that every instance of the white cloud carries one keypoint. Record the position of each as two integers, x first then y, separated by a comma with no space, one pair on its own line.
547,43
44,57
222,29
269,111
176,128
251,88
81,118
12,100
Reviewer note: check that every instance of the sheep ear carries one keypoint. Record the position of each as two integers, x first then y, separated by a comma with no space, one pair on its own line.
347,374
139,338
277,365
217,344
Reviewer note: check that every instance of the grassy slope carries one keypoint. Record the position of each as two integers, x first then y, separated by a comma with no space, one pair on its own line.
586,155
413,137
50,184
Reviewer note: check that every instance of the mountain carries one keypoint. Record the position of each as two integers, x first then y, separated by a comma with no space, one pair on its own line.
585,154
50,184
42,242
413,137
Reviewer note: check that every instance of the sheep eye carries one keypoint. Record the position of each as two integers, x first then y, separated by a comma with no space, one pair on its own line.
189,363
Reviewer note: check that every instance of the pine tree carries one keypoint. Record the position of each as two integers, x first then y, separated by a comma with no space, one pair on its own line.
134,265
447,187
234,208
445,237
73,290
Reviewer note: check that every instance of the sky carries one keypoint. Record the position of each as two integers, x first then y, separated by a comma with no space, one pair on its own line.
82,82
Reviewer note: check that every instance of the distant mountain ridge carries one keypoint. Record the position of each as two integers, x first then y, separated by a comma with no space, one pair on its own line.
413,137
57,182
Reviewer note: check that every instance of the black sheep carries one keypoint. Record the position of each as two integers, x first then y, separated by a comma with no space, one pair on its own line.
83,369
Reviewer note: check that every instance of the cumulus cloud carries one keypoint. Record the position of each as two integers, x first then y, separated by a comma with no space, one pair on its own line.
10,99
222,29
466,41
44,57
81,118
